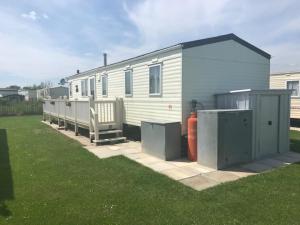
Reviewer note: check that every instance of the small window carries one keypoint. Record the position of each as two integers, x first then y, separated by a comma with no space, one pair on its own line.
76,88
104,85
70,89
92,87
155,80
84,87
294,86
128,83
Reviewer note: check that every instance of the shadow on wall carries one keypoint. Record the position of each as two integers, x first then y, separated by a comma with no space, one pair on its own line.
6,182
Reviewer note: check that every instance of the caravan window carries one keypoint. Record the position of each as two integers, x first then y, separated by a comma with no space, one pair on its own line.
294,86
84,87
92,86
155,79
104,85
70,89
128,83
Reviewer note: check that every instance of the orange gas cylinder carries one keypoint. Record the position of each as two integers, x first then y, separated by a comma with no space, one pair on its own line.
192,136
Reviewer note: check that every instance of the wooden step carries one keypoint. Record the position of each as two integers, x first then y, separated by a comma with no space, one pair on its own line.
106,140
110,132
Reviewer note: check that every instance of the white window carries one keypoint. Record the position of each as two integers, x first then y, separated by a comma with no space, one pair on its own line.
70,89
155,79
293,85
104,85
128,83
84,87
92,87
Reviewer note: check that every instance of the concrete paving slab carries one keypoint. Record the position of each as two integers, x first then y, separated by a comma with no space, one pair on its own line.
132,156
160,166
130,151
114,148
273,162
200,168
179,173
199,182
240,172
285,158
148,160
221,176
293,155
257,167
182,162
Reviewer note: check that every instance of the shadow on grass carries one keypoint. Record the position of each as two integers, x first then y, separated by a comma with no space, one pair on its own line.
6,182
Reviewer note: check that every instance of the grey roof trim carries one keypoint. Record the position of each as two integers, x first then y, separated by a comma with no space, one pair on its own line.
8,89
267,91
225,37
285,73
182,45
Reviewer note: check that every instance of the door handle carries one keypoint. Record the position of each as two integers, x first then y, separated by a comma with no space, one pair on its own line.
270,122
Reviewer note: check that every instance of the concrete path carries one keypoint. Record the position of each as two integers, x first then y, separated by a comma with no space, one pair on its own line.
188,173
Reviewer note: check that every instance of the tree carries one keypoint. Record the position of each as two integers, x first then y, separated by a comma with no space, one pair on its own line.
45,84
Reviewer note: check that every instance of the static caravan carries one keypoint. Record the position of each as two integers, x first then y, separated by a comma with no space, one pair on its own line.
288,81
161,85
52,92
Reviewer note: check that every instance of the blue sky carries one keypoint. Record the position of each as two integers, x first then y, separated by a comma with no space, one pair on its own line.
48,40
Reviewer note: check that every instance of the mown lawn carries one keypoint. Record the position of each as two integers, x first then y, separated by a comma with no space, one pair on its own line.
46,178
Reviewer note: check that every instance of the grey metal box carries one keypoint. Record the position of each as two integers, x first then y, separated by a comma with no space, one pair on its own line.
271,115
224,137
161,139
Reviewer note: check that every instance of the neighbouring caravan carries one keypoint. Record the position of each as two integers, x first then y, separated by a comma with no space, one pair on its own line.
289,81
52,92
161,85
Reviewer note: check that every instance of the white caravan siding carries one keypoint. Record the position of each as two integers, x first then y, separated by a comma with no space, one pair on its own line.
217,68
140,106
279,82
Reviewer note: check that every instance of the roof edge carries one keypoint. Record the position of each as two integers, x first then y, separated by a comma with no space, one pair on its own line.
222,38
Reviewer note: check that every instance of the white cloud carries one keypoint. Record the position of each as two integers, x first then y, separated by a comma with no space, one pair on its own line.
31,56
45,16
31,15
161,23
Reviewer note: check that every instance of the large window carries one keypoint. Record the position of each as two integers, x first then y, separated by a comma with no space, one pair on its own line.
294,86
128,83
104,85
92,87
84,87
155,80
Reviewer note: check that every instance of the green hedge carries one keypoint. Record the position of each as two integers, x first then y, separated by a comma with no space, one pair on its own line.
21,108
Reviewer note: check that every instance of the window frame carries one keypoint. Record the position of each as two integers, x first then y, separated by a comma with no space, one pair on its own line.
160,79
131,83
89,91
86,88
104,76
70,89
286,85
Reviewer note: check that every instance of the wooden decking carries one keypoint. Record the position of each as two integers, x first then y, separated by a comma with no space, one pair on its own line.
101,118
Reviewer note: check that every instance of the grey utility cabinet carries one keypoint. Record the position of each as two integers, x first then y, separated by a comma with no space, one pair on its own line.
271,115
161,139
224,137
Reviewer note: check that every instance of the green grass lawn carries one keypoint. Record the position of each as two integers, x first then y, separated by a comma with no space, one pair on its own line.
46,178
